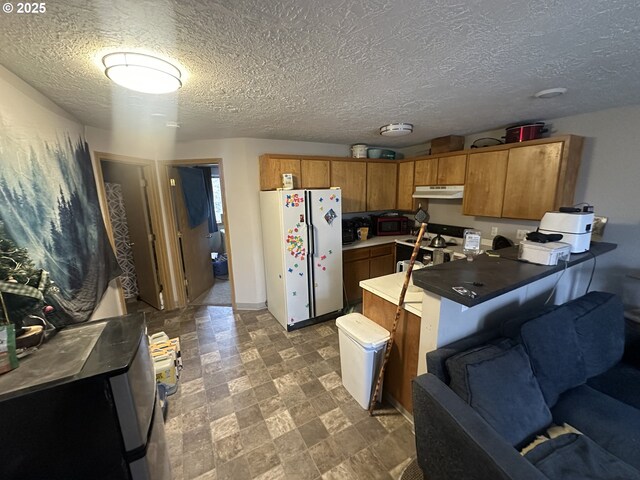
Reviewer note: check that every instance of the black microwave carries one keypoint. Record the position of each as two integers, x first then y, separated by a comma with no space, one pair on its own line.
390,225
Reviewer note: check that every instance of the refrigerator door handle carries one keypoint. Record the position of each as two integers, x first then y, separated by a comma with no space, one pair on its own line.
310,255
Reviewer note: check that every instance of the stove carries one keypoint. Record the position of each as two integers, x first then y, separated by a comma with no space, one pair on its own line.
452,235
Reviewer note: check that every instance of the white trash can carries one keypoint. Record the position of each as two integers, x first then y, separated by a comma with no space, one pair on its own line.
362,344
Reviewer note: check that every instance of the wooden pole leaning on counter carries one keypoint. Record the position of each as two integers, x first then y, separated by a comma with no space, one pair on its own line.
405,285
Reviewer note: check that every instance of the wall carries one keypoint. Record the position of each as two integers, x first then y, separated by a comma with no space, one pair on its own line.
242,185
22,104
608,179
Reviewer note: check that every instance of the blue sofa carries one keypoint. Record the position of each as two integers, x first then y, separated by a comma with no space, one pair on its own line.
488,396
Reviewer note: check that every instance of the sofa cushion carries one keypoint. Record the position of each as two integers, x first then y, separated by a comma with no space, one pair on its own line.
599,323
556,358
456,365
612,424
621,382
515,408
577,457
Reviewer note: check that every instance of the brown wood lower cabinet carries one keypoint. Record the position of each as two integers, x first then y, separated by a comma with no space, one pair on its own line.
363,263
403,362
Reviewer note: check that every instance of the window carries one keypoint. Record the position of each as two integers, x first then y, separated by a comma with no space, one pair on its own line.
217,197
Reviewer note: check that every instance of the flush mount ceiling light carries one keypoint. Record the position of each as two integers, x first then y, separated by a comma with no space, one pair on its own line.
142,73
550,92
396,129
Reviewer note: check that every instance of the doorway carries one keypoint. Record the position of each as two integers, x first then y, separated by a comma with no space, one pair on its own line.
200,239
134,223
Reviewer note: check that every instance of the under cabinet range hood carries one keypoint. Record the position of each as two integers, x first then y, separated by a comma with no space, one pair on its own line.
443,192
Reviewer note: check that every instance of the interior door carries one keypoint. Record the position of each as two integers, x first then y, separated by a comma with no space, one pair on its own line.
142,239
194,244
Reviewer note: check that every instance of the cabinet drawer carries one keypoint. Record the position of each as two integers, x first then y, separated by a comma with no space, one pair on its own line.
355,254
381,250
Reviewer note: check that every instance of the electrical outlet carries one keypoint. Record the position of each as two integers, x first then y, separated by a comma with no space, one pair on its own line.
521,233
494,231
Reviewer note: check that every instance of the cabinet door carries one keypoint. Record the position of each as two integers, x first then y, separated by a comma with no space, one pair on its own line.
405,186
272,168
381,185
532,181
351,177
315,174
484,184
353,273
451,170
379,266
426,171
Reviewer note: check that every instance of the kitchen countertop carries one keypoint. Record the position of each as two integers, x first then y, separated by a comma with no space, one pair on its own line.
498,274
374,241
388,288
75,353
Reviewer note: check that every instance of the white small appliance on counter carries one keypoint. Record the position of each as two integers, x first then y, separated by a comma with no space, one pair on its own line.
575,228
549,253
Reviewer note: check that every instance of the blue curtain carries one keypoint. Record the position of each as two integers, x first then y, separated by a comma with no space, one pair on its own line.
195,195
207,173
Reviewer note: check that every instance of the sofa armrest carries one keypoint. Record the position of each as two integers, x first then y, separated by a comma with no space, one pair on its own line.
453,441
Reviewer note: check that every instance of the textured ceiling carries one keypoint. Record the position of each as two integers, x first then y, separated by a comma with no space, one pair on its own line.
333,70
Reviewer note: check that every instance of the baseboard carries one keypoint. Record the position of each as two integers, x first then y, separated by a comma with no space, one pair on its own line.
251,306
403,411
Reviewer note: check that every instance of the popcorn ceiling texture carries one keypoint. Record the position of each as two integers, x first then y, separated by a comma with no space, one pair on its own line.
333,70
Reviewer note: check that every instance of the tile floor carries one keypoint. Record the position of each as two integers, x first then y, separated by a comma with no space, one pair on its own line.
256,402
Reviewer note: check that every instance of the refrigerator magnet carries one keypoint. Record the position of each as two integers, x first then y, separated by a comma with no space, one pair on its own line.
329,216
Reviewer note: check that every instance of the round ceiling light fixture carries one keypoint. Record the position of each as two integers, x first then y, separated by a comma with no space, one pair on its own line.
142,73
396,129
550,92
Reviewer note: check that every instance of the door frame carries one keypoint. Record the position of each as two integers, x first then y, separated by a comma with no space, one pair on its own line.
172,223
150,171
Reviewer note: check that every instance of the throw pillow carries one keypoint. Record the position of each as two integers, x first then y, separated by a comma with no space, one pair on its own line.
551,343
503,390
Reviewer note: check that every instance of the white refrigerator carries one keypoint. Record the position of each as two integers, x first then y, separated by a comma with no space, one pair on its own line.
302,244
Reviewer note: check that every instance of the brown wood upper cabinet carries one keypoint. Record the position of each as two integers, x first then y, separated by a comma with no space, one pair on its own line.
351,177
307,172
404,200
484,186
272,168
426,172
381,185
441,170
315,173
523,181
451,170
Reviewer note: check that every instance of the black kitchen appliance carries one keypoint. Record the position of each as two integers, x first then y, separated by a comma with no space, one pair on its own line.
448,230
349,233
389,225
84,406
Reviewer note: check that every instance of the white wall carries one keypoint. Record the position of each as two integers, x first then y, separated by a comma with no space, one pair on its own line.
242,184
21,104
609,179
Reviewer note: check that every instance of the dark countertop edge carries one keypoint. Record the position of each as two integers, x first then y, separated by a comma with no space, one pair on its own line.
596,249
96,365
